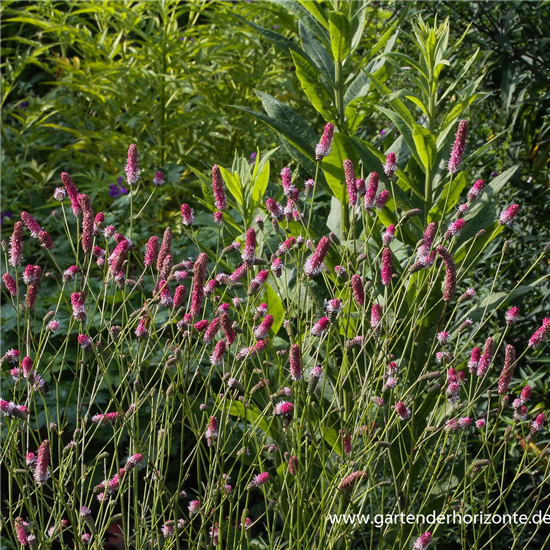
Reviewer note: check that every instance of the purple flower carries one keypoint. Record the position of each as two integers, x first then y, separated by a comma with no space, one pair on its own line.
252,158
7,214
117,189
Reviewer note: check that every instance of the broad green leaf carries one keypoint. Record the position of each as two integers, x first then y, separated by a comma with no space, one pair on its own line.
334,220
333,166
317,53
313,88
313,8
260,184
425,147
340,35
274,307
233,183
249,414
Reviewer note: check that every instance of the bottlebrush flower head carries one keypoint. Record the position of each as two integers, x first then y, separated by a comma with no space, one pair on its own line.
26,367
277,267
308,186
218,189
525,394
117,258
289,189
376,317
324,147
423,541
507,370
59,194
262,330
10,409
32,224
10,283
11,356
458,147
187,214
257,283
474,359
45,240
158,180
217,355
78,302
386,272
21,528
382,199
31,274
295,358
133,461
275,209
350,177
314,376
107,418
443,337
249,253
151,251
258,480
165,295
450,273
194,507
41,473
475,192
388,235
212,330
132,169
402,411
165,248
455,228
314,264
227,327
284,408
84,341
199,276
16,245
508,215
211,431
357,289
390,167
341,272
72,191
320,327
486,357
540,335
32,294
86,515
360,187
349,482
372,189
469,294
511,315
538,424
87,239
142,329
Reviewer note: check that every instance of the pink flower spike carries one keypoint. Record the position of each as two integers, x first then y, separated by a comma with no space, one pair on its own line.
357,289
219,351
45,240
249,253
284,408
158,180
16,245
41,473
320,327
262,330
402,411
31,224
486,357
386,272
258,480
388,235
72,191
382,199
211,431
372,189
508,215
511,315
475,192
218,190
540,335
187,214
458,147
349,174
423,541
295,362
151,251
450,273
390,167
324,147
132,169
314,264
10,283
199,276
455,228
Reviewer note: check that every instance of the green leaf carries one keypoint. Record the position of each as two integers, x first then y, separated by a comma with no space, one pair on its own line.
317,53
313,8
448,198
333,166
233,183
313,88
251,415
425,147
274,307
340,35
334,220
